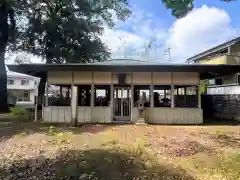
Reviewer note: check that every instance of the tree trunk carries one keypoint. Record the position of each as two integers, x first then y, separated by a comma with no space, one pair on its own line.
3,42
3,85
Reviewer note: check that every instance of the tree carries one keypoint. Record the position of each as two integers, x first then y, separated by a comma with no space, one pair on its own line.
180,8
58,30
22,59
68,31
6,12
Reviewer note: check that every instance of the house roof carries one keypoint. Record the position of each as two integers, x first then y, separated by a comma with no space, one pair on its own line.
205,70
125,62
213,50
16,74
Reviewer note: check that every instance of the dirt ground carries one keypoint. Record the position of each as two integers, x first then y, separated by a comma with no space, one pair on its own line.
38,151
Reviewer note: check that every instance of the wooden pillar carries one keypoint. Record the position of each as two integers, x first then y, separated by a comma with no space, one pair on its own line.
151,96
132,95
46,96
172,93
151,92
199,96
112,101
132,101
74,101
92,95
172,96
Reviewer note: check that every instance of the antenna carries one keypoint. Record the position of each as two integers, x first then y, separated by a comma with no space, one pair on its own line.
168,52
121,46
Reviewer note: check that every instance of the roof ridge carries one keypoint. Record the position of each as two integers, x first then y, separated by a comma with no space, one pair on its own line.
208,51
126,59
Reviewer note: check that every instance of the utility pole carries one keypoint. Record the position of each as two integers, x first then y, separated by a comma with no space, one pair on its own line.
168,52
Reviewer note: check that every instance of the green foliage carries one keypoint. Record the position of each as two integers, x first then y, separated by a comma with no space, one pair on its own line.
230,165
67,30
203,86
180,8
19,112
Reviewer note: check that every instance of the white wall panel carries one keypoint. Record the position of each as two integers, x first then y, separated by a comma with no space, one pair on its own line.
174,116
101,115
84,114
57,114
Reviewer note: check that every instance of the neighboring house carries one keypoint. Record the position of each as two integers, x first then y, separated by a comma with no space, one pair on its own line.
117,90
21,87
226,53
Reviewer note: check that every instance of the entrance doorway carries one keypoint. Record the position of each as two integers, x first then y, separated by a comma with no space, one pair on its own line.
122,104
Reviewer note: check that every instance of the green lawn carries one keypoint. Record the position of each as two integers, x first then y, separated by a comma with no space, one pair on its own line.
39,151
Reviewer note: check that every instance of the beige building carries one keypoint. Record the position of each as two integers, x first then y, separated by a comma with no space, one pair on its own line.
114,91
226,53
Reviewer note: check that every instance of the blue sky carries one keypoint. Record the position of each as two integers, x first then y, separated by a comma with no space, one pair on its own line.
210,23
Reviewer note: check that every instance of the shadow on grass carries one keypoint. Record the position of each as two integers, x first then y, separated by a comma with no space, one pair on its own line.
187,148
10,126
91,164
226,140
220,122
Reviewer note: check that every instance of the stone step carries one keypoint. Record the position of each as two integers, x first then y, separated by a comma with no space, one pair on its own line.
141,121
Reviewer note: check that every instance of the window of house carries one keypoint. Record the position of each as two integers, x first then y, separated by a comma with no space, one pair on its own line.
84,95
102,95
59,95
185,96
162,96
24,82
10,81
26,96
211,81
218,81
142,93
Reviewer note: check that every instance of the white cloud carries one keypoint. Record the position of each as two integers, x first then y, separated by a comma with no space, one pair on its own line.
118,40
200,30
129,37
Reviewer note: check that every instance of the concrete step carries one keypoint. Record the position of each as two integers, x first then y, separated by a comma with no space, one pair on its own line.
141,121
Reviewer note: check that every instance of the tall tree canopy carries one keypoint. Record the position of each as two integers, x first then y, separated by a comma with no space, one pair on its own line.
180,8
59,31
68,30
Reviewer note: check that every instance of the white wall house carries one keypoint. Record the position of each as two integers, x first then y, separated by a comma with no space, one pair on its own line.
21,86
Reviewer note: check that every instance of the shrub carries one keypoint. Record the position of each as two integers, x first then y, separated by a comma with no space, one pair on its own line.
19,112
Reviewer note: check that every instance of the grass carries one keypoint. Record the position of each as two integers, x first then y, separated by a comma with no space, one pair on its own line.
37,151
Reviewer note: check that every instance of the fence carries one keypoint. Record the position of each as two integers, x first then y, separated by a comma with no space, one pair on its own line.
221,106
